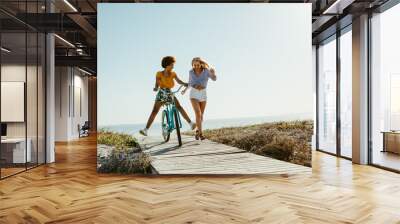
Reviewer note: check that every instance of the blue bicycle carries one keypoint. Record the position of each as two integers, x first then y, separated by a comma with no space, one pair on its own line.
170,118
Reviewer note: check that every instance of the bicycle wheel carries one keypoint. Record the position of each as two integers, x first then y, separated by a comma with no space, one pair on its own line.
164,126
178,131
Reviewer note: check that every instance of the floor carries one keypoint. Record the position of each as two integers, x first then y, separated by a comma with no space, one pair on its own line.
387,159
207,157
70,191
10,171
13,170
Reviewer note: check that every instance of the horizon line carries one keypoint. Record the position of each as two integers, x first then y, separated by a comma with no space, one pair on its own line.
231,118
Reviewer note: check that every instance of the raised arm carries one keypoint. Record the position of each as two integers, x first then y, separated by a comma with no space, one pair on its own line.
212,74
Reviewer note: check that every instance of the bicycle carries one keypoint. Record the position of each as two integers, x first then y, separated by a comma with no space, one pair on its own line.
170,118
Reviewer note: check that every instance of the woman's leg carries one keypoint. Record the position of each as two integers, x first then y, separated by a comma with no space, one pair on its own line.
154,112
202,108
197,111
183,112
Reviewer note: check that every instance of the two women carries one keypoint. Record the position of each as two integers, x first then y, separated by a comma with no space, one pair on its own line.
198,78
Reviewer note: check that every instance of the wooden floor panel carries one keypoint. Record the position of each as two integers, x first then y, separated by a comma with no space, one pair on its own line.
70,191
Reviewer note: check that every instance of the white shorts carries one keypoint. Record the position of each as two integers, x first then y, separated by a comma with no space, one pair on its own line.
200,95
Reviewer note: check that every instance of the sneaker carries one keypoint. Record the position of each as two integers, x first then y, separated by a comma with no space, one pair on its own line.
192,125
143,132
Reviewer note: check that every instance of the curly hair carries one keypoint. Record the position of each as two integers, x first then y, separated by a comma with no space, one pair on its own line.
166,61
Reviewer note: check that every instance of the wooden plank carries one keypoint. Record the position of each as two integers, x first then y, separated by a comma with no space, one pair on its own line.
71,191
207,157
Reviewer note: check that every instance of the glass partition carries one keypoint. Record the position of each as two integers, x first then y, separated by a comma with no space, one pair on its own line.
327,96
22,89
31,99
14,153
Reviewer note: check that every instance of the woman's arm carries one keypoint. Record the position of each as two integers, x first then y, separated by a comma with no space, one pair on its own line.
212,74
157,83
180,81
190,79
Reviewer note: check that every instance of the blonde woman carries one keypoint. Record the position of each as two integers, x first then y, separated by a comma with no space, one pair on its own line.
198,78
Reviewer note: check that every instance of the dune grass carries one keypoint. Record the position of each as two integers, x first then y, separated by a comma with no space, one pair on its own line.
124,154
118,140
287,141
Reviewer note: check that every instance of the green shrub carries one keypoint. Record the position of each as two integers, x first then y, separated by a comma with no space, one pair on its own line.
125,155
288,141
119,140
125,162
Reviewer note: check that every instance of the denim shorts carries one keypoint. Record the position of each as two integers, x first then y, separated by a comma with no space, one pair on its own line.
199,95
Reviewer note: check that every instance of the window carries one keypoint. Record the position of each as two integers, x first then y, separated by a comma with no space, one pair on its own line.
385,89
327,96
346,94
395,102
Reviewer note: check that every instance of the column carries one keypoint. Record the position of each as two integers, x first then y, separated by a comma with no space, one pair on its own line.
360,90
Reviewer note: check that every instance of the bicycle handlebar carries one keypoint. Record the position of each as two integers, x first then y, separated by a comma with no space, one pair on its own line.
172,92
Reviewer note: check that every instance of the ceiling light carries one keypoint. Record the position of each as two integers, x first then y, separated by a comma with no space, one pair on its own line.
70,5
338,6
65,41
84,71
5,50
79,51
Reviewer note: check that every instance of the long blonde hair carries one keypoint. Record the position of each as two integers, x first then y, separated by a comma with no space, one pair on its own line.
202,62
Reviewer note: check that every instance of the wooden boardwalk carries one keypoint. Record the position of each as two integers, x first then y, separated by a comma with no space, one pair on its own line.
207,157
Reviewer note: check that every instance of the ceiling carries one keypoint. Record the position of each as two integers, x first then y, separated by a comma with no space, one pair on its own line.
75,21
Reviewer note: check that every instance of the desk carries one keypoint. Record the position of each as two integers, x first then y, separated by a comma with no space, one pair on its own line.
13,150
391,141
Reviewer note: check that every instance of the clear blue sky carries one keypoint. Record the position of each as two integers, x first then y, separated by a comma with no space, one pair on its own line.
261,53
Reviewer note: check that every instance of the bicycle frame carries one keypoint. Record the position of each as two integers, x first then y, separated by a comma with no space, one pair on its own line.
170,108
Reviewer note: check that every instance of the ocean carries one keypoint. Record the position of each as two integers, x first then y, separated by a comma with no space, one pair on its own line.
155,129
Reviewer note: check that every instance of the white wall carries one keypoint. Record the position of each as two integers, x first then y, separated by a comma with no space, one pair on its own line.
70,83
79,117
62,82
12,73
